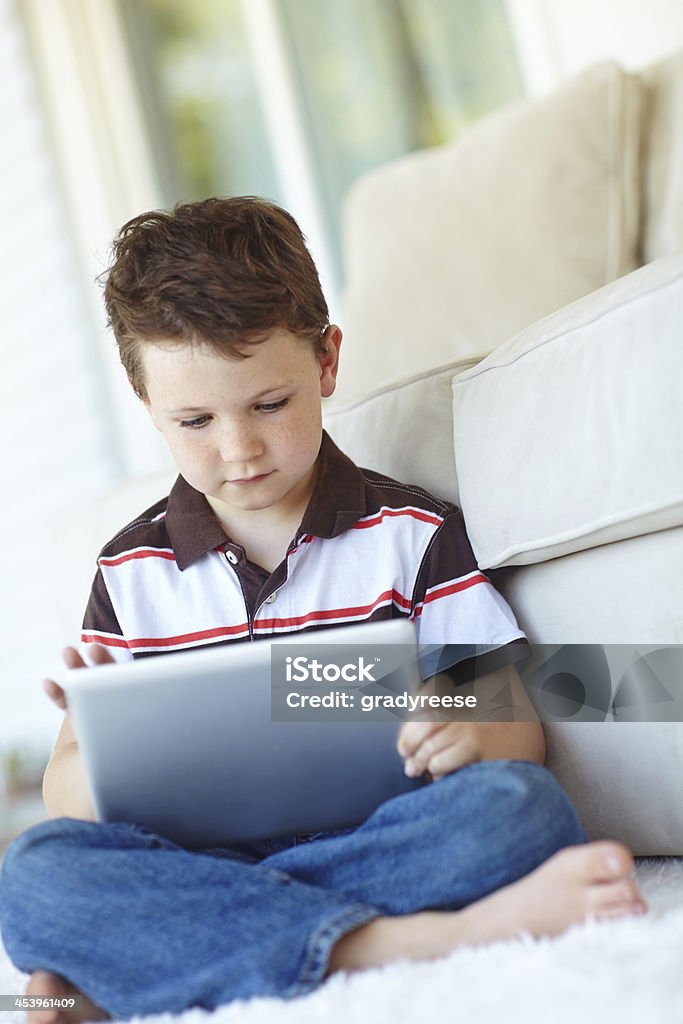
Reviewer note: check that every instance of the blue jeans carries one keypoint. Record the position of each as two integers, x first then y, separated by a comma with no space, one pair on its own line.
142,926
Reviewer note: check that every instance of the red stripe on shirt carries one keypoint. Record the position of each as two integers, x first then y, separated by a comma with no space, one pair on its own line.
182,638
446,589
167,641
323,615
142,553
414,513
106,641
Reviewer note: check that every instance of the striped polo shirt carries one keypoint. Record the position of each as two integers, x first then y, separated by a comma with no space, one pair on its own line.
368,548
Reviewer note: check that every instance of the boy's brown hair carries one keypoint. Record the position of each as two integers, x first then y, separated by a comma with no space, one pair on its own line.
221,272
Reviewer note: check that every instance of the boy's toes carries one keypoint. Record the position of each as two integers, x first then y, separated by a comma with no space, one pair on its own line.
606,860
45,983
605,896
621,910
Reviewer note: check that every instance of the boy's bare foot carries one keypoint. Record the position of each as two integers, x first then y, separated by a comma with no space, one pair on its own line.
44,983
574,884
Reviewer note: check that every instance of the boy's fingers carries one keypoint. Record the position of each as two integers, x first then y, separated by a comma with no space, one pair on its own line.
433,745
72,659
463,751
413,735
100,655
448,748
55,693
451,759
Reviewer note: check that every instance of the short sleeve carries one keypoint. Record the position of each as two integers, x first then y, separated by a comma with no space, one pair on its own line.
464,626
101,625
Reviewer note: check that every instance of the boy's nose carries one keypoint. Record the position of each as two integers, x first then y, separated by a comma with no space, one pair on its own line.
239,445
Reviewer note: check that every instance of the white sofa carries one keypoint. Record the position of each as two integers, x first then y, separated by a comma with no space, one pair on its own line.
566,458
476,369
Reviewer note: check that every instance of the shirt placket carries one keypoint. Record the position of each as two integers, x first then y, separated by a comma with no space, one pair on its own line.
270,604
235,557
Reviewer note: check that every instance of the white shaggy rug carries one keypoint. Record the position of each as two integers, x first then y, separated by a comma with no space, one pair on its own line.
617,972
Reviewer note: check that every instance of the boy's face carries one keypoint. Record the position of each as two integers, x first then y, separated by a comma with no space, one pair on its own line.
244,432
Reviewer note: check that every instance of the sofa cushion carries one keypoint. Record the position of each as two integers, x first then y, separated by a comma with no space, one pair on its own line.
404,430
663,165
629,593
569,435
450,251
623,776
624,780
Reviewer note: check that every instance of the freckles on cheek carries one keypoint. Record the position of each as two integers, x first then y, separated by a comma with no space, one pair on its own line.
185,450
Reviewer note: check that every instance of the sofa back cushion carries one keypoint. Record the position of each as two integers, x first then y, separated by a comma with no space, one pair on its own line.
663,163
624,775
569,435
450,251
404,429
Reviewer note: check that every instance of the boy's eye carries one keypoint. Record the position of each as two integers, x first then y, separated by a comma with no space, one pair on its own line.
195,424
272,406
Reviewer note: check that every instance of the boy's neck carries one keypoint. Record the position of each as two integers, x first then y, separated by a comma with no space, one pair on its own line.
265,540
265,534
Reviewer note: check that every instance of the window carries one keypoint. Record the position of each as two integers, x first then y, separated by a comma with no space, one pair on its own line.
380,79
201,96
369,80
54,405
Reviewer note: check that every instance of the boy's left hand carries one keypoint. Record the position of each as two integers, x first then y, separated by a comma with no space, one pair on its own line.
438,747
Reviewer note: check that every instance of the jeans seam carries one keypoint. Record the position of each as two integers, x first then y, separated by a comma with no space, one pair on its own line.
320,945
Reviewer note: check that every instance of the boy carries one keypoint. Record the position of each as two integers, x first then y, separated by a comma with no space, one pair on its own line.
223,331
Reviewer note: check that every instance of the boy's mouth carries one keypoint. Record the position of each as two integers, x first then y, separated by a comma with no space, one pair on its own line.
245,481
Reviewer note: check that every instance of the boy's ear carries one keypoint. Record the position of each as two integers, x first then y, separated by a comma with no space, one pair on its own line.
329,360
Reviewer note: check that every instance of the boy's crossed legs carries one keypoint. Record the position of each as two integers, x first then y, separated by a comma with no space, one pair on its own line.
142,926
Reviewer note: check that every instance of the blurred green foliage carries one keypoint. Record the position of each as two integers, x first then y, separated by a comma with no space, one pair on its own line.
21,768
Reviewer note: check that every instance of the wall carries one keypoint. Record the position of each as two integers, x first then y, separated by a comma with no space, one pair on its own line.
557,38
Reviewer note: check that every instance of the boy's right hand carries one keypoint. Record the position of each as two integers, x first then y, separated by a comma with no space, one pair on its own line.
65,788
72,659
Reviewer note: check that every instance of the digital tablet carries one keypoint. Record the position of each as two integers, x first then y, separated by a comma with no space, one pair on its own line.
186,743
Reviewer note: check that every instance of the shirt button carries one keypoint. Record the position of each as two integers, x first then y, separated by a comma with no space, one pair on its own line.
271,597
232,557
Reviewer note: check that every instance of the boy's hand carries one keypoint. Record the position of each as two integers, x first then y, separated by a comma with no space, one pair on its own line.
438,747
503,725
72,659
65,787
